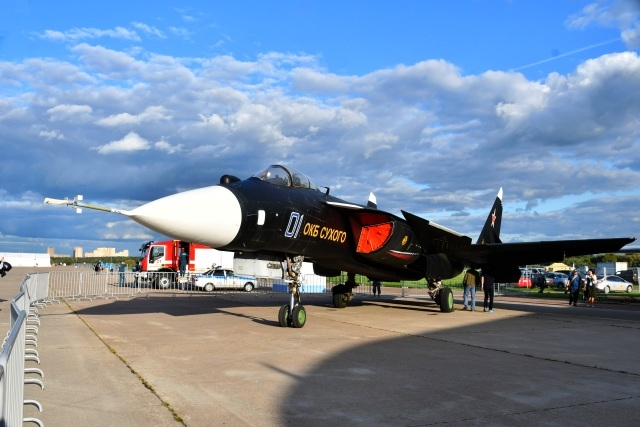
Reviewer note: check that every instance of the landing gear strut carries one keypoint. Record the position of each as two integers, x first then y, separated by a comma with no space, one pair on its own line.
441,295
342,294
293,314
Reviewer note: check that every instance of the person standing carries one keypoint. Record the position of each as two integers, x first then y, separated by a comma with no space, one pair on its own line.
121,268
574,288
375,285
591,287
4,267
470,280
184,261
487,287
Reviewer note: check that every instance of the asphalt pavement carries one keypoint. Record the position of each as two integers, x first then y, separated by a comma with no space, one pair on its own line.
223,360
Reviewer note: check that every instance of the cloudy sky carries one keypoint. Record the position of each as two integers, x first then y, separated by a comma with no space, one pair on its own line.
433,106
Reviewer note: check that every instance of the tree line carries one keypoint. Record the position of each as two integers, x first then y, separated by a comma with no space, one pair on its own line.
632,260
90,261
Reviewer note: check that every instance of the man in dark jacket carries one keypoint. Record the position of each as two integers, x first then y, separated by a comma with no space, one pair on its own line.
488,288
574,288
184,261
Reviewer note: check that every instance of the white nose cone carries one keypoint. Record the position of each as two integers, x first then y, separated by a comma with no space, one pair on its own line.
210,216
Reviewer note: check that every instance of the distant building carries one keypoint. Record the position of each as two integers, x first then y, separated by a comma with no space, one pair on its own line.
77,252
51,251
106,252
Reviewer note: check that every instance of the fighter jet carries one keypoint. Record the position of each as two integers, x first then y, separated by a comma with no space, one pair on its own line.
279,215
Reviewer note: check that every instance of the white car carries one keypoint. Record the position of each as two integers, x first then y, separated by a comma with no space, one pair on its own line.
613,284
219,278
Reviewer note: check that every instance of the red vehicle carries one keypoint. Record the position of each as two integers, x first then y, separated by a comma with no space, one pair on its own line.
162,260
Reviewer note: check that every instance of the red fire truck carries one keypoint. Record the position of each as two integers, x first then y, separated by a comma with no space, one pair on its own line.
160,261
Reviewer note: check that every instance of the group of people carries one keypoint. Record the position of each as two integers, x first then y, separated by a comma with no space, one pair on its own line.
471,279
576,284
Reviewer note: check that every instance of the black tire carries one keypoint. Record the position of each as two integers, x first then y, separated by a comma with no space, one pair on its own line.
164,281
607,289
629,289
298,316
209,287
339,296
446,300
248,287
284,318
339,300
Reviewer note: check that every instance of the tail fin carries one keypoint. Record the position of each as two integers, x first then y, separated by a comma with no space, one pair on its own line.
491,230
372,203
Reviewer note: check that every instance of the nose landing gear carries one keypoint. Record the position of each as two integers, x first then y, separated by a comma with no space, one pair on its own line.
293,314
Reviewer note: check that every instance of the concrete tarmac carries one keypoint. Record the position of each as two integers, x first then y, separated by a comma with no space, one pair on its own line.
222,360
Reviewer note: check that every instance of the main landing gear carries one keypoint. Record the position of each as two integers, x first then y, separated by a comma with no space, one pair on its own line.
441,295
343,293
293,314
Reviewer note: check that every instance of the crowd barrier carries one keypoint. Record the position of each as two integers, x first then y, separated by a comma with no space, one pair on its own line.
86,284
19,348
89,285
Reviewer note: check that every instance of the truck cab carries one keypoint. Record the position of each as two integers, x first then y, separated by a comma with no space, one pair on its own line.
160,261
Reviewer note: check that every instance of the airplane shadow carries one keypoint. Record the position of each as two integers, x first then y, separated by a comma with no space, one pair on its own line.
197,304
514,370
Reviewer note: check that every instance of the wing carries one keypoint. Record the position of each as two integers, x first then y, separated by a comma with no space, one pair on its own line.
505,258
435,238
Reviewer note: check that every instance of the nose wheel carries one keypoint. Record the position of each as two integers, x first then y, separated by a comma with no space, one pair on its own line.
293,314
295,318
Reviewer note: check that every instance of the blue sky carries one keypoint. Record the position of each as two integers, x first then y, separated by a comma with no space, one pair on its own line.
431,105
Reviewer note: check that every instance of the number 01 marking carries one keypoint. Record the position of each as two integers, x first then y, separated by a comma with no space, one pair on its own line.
293,228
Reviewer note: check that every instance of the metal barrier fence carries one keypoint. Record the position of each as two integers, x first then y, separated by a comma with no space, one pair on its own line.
89,285
18,348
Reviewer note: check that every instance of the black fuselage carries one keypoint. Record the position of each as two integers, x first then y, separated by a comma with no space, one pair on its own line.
302,221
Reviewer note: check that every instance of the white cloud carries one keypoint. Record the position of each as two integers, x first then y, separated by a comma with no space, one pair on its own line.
150,114
631,36
130,143
51,134
168,148
621,14
110,63
77,34
68,112
147,29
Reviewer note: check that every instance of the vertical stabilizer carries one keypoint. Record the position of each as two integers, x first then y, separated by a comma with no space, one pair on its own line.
372,203
491,230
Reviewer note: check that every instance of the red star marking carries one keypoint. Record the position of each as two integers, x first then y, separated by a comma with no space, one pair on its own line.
493,218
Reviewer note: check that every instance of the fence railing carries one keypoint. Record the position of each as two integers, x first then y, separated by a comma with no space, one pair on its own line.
87,284
18,348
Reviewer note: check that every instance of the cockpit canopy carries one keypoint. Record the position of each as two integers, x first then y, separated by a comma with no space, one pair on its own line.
285,176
